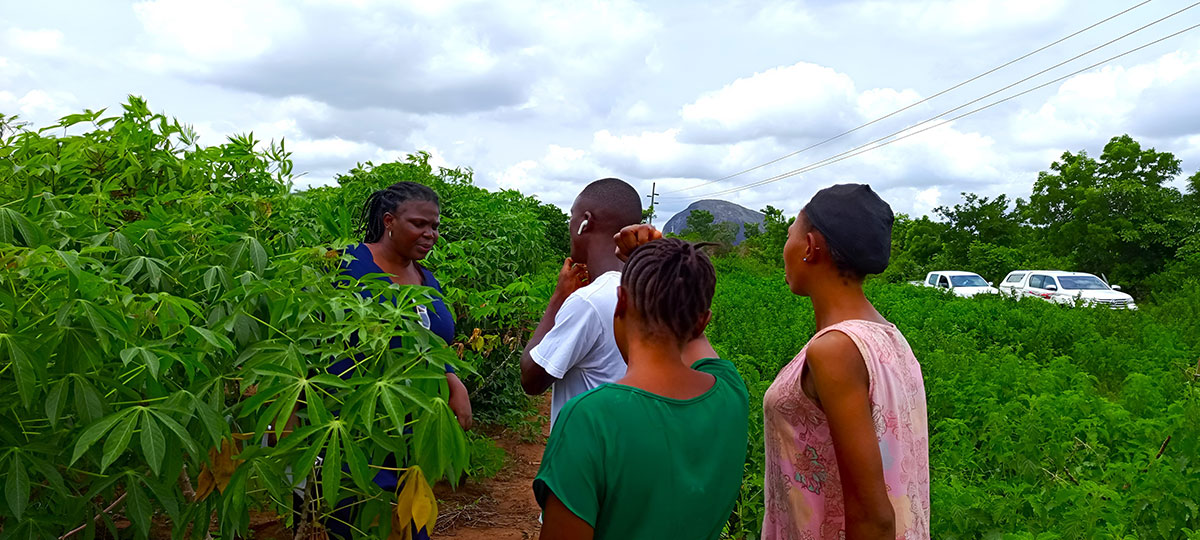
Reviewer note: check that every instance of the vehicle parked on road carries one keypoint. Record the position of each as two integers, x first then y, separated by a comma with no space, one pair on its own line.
965,284
1068,288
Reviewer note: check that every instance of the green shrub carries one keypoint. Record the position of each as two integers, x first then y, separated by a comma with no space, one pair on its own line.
1045,421
158,298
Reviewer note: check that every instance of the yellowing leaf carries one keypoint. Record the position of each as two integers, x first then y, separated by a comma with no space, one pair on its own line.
416,507
223,465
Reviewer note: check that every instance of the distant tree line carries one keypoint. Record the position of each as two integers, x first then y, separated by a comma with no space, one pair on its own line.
1117,216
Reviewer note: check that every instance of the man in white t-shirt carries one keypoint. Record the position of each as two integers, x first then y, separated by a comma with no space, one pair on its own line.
573,348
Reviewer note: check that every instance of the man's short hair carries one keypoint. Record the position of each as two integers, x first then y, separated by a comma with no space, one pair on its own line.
614,202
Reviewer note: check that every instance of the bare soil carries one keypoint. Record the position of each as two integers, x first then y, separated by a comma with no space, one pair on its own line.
500,508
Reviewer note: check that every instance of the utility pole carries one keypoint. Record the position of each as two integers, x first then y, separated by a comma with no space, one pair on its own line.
652,195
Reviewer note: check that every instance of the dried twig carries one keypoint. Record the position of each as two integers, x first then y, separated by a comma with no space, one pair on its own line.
97,518
472,514
1162,448
185,484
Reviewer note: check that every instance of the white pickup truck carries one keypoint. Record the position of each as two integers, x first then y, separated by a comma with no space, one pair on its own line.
1068,288
965,284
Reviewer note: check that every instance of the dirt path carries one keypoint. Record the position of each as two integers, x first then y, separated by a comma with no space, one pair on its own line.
500,508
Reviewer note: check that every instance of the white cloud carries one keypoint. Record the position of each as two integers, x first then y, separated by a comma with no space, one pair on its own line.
545,97
39,104
929,199
961,17
216,30
801,100
879,102
41,42
1091,107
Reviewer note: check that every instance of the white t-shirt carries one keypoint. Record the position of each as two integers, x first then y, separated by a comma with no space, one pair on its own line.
581,351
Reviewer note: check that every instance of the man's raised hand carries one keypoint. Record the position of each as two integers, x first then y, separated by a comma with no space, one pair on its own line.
571,278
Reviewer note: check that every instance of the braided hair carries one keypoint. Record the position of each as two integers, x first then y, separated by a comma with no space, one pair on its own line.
671,282
370,221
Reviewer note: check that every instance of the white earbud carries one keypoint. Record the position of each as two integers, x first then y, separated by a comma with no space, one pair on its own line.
581,226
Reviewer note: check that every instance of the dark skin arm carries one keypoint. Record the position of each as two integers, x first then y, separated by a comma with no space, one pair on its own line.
534,378
836,377
460,401
559,523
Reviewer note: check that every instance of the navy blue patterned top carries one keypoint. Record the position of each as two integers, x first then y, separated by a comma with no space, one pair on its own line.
440,319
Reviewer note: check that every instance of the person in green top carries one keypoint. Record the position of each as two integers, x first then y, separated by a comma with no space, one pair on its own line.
660,453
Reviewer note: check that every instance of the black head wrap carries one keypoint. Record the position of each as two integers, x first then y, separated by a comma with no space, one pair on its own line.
856,223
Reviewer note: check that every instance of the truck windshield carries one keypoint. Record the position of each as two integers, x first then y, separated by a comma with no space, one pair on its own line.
968,281
1084,283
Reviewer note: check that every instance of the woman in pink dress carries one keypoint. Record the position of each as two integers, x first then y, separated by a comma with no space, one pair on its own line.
847,438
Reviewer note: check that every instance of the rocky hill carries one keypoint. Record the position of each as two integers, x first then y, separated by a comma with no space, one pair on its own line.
722,211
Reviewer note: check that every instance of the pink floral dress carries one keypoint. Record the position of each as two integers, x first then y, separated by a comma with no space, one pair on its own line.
803,489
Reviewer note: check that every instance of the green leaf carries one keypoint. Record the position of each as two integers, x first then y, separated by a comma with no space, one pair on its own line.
97,430
233,504
317,411
140,510
236,250
167,496
25,374
16,487
88,402
214,425
50,473
308,458
10,220
439,444
128,354
395,409
412,395
117,442
360,469
184,439
71,259
331,469
295,438
155,272
121,242
152,363
220,342
328,379
56,400
258,255
132,270
211,277
154,445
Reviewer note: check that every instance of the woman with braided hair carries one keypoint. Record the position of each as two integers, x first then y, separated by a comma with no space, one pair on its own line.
400,227
660,452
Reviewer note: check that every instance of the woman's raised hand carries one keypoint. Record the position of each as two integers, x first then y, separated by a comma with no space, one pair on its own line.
633,236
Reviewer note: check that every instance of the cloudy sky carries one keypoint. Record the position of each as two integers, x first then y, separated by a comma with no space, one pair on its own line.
546,96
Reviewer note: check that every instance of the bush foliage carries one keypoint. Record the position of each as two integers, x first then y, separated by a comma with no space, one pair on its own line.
1045,421
165,306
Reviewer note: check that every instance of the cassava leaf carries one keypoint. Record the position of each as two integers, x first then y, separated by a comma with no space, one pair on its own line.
154,445
16,487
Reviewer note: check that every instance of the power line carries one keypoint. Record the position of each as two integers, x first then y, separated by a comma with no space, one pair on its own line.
898,111
860,150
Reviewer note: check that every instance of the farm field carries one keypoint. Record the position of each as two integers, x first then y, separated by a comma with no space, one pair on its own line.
1045,421
163,303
